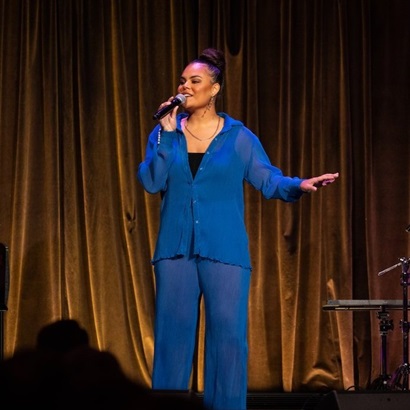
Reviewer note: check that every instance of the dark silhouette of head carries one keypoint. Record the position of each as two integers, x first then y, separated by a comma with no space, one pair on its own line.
62,336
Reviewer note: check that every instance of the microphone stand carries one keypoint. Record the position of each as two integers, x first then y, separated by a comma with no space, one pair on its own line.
400,378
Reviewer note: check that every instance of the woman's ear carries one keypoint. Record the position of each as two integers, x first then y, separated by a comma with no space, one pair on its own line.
215,89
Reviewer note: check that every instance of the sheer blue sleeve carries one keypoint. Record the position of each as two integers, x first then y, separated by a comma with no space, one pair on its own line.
267,178
159,154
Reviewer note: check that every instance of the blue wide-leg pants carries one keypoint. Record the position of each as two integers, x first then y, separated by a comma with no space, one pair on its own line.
180,283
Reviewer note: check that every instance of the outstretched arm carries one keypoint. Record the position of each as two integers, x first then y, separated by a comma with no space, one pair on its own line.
312,184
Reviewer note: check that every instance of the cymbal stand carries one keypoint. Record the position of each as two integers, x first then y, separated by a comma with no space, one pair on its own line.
400,378
385,324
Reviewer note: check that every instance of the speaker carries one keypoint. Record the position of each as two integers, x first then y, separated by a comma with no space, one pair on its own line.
4,276
378,400
4,291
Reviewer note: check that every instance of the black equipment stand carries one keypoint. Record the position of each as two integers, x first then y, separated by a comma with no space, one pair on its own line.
385,324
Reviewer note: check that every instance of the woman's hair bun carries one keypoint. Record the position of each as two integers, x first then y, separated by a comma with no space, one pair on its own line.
214,57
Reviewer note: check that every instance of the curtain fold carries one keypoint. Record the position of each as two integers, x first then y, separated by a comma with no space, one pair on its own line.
325,86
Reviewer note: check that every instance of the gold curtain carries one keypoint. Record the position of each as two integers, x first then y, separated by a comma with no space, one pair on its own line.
323,83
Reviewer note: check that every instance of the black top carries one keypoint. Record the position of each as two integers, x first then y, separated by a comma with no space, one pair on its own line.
195,159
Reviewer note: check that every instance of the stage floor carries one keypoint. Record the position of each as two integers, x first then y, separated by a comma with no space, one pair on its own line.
284,401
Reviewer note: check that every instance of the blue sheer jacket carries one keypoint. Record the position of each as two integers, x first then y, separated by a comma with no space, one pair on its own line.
211,205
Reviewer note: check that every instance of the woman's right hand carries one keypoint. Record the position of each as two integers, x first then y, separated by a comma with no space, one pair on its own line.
169,122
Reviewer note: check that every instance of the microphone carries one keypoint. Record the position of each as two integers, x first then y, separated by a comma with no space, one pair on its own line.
178,100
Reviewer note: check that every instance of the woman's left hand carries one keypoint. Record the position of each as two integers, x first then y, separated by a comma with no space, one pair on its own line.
312,184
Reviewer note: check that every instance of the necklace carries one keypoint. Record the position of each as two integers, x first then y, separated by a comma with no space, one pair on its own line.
203,139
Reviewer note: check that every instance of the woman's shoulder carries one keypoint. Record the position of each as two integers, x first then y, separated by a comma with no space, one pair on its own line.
230,121
233,126
238,126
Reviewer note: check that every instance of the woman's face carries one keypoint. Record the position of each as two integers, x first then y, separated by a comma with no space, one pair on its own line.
197,86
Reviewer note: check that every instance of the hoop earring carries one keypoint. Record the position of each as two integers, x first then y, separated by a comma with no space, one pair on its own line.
210,103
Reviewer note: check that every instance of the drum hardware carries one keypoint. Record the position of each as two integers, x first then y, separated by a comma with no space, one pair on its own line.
400,378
